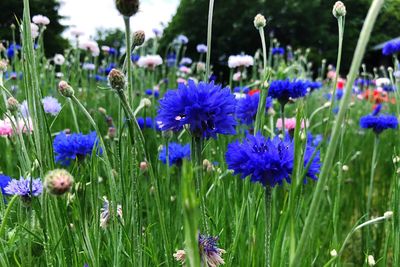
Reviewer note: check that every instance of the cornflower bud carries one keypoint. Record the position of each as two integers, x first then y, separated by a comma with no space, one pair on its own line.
58,181
65,89
339,9
117,80
259,21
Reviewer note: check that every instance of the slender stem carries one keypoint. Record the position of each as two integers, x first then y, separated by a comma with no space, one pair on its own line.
331,151
128,56
209,35
283,129
73,115
268,224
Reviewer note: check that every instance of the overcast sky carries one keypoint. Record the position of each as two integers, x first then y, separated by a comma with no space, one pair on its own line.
88,15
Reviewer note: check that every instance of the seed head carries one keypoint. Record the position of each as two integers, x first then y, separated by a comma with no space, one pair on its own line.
138,38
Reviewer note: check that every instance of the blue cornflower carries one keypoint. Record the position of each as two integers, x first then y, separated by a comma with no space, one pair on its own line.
145,123
314,140
150,92
246,108
4,180
51,105
268,161
135,57
205,107
379,123
171,59
278,51
285,89
182,39
201,48
109,68
186,61
112,51
313,85
243,89
391,47
74,146
12,49
22,187
176,154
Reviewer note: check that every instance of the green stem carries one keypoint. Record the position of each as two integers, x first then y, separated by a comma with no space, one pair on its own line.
209,35
268,224
329,157
128,56
6,214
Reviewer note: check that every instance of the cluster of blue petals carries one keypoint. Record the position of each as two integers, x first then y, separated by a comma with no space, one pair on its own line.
246,108
379,123
391,47
176,154
282,90
207,108
269,161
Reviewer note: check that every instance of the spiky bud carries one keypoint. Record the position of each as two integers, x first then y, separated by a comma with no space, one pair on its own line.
127,8
339,9
12,104
138,38
259,21
58,181
116,79
65,89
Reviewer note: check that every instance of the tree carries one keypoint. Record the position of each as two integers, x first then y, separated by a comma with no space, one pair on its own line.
301,24
12,10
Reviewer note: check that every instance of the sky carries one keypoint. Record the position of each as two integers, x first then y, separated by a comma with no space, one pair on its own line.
88,15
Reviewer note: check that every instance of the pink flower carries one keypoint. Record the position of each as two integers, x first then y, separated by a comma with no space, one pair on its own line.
331,74
181,80
150,61
290,124
40,20
185,70
90,46
237,76
7,126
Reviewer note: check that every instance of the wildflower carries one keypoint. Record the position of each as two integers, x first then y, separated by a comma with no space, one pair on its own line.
90,46
201,48
58,181
76,33
176,154
127,8
290,124
205,107
40,20
22,187
283,90
246,108
260,21
51,105
150,61
278,51
10,127
157,32
200,67
116,79
186,61
240,61
34,30
268,161
371,260
210,254
379,123
143,166
12,50
59,59
145,122
4,181
65,89
106,214
74,146
182,39
339,9
88,66
138,38
12,104
391,47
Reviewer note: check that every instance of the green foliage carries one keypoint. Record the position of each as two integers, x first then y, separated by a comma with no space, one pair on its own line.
11,13
301,24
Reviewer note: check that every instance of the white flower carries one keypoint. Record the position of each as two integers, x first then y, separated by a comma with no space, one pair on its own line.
90,46
240,61
237,76
380,82
333,253
150,61
76,33
371,260
59,59
41,20
34,30
105,48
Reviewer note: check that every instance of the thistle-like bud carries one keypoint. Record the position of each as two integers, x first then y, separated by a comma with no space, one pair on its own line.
145,102
339,9
127,8
116,79
138,38
12,104
65,89
58,181
143,166
259,21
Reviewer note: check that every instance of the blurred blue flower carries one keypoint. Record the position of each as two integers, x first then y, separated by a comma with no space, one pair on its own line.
4,180
282,90
176,154
11,50
246,108
201,48
150,92
205,107
391,47
171,59
182,39
74,146
278,51
51,105
186,61
135,57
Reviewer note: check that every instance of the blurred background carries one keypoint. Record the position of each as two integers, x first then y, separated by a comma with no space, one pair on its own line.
298,23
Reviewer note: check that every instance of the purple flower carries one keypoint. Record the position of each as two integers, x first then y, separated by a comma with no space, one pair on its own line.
51,105
201,48
22,187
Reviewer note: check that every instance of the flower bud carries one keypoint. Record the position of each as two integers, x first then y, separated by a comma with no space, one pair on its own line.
138,38
65,89
371,260
116,79
102,111
58,181
333,253
145,102
388,214
143,166
345,168
3,65
259,21
339,9
112,132
127,8
12,104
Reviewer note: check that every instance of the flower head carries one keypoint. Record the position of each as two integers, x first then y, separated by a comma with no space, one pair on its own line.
240,61
40,20
182,39
150,61
51,105
74,146
10,127
90,46
268,161
283,90
4,181
278,51
290,124
22,187
379,123
59,59
391,47
246,107
176,153
201,48
58,181
207,109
